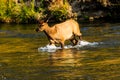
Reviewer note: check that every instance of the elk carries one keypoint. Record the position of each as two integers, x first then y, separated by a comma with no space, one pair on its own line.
61,32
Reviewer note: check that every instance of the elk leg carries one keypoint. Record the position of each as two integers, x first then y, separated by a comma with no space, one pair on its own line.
52,42
80,38
79,35
74,41
62,45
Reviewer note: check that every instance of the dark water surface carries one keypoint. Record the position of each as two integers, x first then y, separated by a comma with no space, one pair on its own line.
21,60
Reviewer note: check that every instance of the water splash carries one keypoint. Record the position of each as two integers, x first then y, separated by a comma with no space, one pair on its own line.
53,48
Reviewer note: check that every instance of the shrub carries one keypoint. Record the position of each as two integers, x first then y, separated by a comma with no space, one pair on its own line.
60,12
18,13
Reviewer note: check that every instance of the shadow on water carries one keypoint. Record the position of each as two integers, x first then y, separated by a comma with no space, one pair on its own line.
21,60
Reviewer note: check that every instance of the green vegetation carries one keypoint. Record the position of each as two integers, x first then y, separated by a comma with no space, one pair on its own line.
30,11
11,12
60,12
23,12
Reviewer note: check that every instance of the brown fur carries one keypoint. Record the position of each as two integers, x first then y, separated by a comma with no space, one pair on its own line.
61,32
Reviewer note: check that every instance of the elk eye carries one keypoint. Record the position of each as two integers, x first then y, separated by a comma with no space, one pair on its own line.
39,25
42,25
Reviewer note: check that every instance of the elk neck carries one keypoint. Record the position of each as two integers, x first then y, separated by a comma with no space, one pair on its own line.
50,30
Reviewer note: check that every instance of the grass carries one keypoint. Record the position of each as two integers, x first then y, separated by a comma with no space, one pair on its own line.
11,12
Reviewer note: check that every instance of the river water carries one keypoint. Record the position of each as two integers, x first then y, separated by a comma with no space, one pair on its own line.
25,55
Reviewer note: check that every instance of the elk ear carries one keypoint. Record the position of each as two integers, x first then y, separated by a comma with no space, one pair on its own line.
41,21
47,19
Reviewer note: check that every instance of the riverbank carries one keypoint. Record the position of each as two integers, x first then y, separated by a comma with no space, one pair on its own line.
58,11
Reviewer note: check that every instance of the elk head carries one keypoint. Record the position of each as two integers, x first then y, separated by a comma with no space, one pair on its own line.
41,26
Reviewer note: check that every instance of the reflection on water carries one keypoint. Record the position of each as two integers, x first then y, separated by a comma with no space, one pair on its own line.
20,59
66,58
